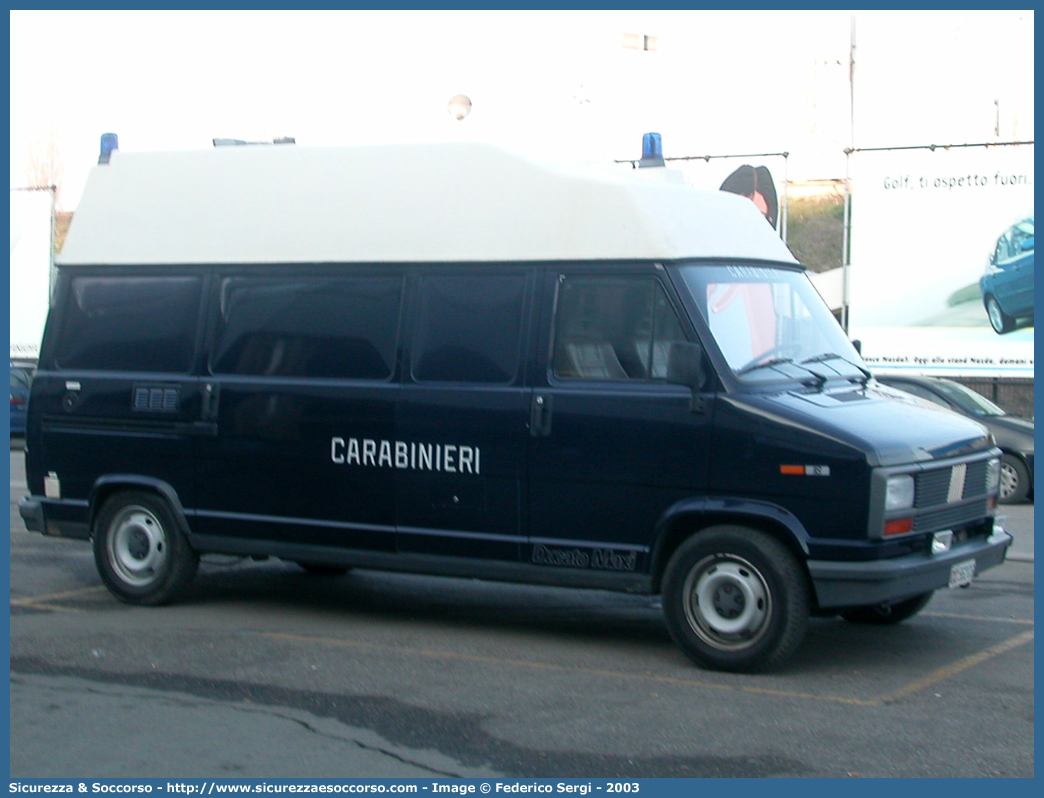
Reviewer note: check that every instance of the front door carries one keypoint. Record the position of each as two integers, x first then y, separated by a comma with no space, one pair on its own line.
616,445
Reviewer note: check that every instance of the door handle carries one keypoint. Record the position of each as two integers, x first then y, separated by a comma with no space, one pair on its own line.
211,393
540,416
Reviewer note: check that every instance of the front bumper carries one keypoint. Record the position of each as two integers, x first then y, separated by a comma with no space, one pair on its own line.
856,584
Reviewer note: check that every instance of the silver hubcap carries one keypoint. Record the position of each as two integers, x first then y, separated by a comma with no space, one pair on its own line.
994,312
727,602
1009,480
137,546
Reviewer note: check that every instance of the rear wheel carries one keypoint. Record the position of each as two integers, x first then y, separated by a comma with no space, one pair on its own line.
886,614
141,553
735,599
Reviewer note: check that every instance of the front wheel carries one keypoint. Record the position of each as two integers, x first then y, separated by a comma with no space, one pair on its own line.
141,554
1014,481
735,599
999,320
887,614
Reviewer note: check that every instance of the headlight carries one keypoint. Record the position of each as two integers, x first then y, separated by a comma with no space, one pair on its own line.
993,471
899,492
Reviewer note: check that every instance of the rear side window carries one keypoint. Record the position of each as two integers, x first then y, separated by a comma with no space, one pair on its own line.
469,328
614,328
130,324
322,327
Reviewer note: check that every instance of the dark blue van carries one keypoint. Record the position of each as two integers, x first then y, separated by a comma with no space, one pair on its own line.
453,360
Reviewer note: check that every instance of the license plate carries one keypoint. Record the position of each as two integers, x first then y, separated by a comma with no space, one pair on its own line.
961,573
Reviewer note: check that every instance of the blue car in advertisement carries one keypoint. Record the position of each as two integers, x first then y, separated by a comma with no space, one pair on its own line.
1007,286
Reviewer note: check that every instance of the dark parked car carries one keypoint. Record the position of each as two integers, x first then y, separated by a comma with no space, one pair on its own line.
1007,286
21,379
1014,435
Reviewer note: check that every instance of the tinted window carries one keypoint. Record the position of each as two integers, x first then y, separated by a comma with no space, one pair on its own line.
130,324
469,328
331,327
614,328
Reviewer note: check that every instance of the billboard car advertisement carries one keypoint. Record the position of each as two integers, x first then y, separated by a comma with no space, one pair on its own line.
941,277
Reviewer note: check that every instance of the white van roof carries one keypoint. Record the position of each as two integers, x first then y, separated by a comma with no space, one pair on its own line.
397,203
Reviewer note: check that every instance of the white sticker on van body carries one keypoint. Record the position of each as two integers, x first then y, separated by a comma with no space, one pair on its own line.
370,453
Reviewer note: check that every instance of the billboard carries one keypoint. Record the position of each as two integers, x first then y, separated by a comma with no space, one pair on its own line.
31,225
941,276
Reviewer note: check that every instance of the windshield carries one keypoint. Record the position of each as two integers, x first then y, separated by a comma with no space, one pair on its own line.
771,324
971,401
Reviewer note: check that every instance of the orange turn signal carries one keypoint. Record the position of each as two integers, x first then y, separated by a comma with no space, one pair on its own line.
898,526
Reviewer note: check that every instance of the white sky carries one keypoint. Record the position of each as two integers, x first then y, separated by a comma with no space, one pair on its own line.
549,83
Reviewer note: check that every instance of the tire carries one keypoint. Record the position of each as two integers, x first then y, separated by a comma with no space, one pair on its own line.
999,320
141,553
322,569
1014,480
735,599
887,614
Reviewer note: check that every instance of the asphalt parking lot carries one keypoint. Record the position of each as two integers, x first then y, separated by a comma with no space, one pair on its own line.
265,671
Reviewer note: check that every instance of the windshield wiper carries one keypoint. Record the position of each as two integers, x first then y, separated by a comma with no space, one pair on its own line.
782,361
834,356
764,364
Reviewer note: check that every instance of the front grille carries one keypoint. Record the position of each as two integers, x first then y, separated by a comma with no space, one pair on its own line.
950,484
950,517
948,494
950,497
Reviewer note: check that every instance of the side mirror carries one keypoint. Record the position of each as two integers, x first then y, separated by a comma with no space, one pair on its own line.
685,365
858,346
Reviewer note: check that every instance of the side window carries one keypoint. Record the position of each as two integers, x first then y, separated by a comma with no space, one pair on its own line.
321,327
1004,249
130,324
469,328
1019,236
613,328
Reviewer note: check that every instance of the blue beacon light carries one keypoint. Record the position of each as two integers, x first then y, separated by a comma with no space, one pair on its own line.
109,143
652,151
